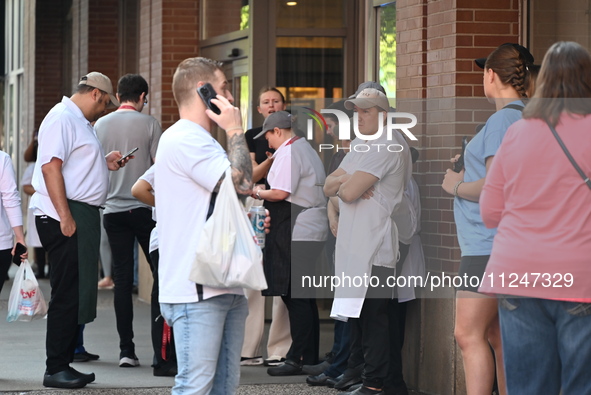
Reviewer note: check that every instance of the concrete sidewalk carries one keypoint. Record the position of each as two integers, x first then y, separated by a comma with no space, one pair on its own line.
23,356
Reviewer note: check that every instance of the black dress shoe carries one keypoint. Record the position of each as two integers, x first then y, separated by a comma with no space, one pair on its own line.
315,370
85,357
321,380
289,368
89,377
349,378
64,379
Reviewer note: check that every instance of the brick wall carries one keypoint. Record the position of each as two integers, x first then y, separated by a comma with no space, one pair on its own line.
173,29
180,40
48,59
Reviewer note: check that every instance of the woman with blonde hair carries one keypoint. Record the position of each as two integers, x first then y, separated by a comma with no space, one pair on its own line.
537,194
506,80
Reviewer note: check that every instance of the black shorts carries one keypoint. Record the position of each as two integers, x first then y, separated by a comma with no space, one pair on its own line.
472,266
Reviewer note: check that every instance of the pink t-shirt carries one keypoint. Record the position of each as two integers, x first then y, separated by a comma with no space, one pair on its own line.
542,209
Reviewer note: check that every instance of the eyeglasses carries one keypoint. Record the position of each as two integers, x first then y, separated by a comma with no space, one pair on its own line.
145,101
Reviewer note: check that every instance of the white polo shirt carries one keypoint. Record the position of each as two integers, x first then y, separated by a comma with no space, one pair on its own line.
298,170
189,163
65,134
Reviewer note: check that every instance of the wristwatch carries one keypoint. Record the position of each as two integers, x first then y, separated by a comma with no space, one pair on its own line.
258,194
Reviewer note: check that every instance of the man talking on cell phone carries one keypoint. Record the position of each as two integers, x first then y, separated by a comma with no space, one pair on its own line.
71,181
125,218
190,166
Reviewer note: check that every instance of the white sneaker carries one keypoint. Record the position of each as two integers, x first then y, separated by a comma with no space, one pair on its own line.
129,362
254,361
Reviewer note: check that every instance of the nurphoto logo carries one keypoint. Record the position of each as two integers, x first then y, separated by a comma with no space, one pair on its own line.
392,122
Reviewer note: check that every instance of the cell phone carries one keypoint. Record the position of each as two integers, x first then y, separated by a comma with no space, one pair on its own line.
127,155
459,165
206,92
20,250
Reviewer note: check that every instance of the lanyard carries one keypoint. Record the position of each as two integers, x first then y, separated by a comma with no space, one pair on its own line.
126,107
292,140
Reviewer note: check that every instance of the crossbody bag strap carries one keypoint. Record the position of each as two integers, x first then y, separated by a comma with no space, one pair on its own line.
569,156
514,107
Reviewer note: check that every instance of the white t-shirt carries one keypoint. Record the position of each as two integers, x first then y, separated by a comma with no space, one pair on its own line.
148,177
189,163
65,134
10,199
393,170
297,169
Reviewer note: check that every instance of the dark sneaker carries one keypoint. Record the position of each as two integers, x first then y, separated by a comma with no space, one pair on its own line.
85,357
165,371
289,368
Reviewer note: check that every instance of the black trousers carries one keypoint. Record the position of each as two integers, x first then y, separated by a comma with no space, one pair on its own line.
122,229
62,315
378,336
158,322
5,262
303,313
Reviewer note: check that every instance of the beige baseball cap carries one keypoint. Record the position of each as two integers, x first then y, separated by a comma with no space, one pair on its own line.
102,82
367,98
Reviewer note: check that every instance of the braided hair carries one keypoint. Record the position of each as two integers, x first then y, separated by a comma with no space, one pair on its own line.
512,67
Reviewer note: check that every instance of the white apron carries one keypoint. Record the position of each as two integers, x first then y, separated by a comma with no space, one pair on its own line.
366,236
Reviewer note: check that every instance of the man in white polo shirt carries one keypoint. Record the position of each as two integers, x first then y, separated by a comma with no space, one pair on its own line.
208,323
71,182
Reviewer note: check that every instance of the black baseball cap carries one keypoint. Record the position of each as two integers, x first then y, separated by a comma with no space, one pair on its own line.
527,56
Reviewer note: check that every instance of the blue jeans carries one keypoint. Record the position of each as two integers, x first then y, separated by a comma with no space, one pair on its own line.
209,336
546,346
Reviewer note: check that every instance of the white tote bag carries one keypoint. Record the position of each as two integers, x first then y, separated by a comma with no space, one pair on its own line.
227,254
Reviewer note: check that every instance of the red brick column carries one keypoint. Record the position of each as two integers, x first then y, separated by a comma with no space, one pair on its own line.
169,33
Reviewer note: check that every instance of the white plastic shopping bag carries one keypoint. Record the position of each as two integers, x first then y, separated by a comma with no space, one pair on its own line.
26,301
227,254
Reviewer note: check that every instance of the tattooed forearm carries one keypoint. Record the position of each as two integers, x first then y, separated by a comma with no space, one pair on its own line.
241,163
